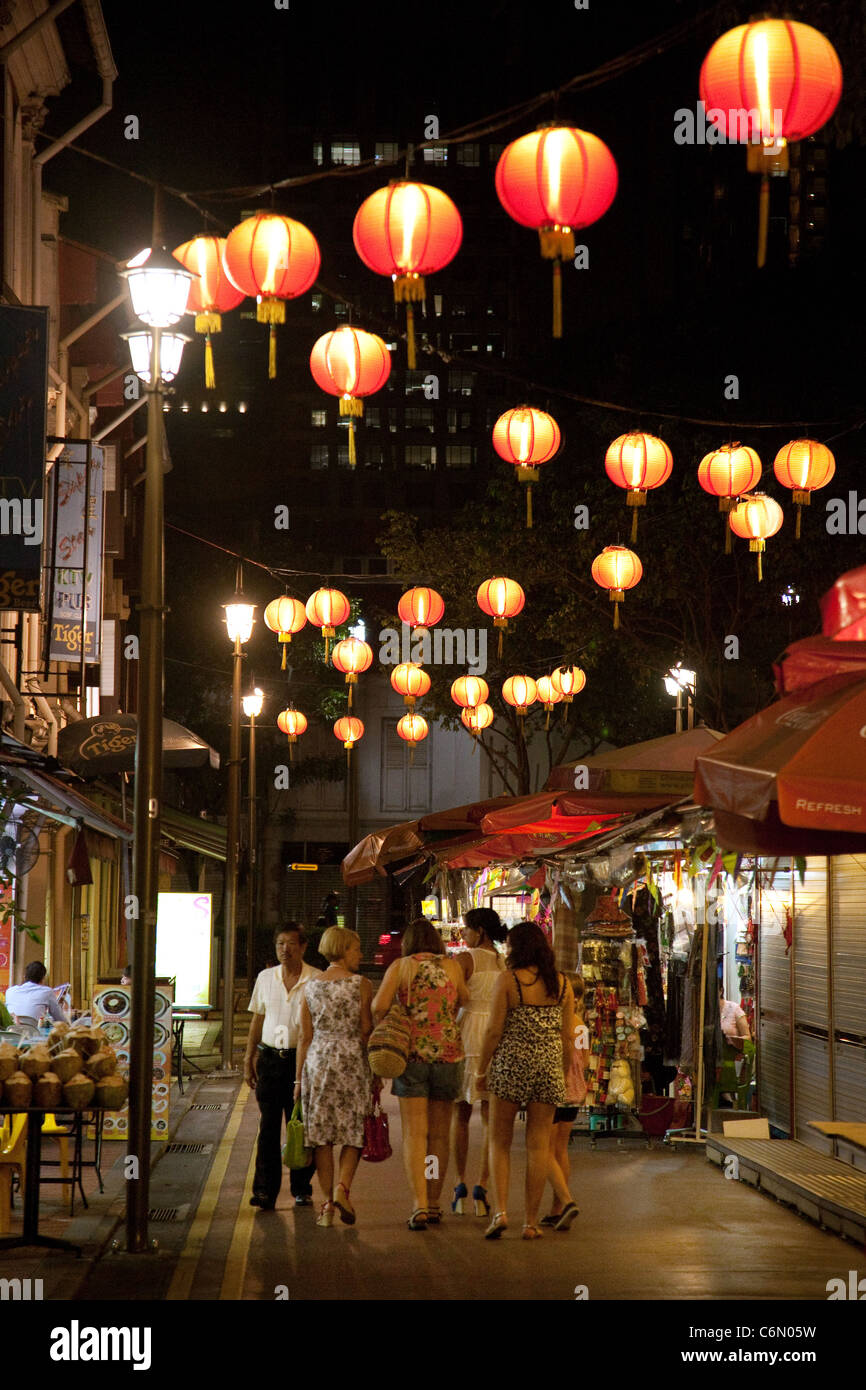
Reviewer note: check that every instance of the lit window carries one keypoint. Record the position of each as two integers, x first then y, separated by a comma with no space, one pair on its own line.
223,407
318,155
420,456
341,310
459,456
316,302
461,383
342,456
319,456
419,417
436,154
319,418
372,416
469,154
437,305
345,152
373,455
184,406
242,407
387,151
204,407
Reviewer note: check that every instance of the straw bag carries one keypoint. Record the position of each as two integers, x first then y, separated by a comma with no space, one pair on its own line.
388,1044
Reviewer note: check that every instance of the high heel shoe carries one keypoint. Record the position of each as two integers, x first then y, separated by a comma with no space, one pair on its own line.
497,1226
479,1197
458,1197
343,1205
326,1215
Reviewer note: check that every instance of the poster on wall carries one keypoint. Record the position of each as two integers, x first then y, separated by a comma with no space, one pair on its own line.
76,552
7,895
112,1009
184,923
23,393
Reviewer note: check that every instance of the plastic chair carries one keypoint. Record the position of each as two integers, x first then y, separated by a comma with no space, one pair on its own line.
62,1133
12,1153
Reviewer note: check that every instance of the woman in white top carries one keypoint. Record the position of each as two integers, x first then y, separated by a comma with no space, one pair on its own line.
481,964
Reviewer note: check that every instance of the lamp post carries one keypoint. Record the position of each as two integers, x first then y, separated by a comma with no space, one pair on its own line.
677,680
240,617
252,709
159,287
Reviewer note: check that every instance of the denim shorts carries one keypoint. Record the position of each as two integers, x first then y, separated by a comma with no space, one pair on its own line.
433,1080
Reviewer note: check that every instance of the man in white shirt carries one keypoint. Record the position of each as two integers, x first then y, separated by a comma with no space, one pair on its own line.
33,998
270,1060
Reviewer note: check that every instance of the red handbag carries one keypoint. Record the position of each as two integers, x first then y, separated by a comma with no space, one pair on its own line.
377,1141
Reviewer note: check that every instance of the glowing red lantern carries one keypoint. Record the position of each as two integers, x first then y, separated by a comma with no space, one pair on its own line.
526,437
569,681
272,258
616,569
211,295
412,728
520,692
804,465
500,599
728,473
407,231
548,695
285,616
638,462
755,519
476,719
766,83
349,730
557,179
292,723
327,609
350,363
352,657
421,608
410,681
469,691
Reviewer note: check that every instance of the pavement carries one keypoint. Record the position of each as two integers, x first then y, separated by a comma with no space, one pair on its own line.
654,1223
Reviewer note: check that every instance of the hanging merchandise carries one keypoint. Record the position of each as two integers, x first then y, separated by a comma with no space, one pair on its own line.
755,519
616,569
557,179
500,599
211,295
527,437
638,462
351,364
271,258
804,465
285,616
728,473
407,231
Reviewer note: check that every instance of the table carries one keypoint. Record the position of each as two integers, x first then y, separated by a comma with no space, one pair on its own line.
32,1172
178,1018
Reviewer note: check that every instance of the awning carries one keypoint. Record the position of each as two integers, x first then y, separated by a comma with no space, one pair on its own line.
106,744
70,806
807,753
843,608
815,659
191,832
655,773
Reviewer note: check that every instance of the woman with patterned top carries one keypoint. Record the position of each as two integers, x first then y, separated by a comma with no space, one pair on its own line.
432,988
335,1083
526,1055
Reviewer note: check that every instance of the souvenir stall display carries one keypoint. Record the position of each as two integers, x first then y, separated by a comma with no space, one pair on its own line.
614,977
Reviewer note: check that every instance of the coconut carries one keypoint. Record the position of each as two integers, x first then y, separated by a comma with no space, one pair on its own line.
47,1091
66,1064
102,1063
111,1093
8,1060
78,1092
17,1090
85,1040
36,1061
58,1035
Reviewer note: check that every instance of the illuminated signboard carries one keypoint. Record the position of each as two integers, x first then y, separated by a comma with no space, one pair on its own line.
183,945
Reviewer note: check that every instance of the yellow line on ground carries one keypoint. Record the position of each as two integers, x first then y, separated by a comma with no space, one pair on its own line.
187,1265
236,1260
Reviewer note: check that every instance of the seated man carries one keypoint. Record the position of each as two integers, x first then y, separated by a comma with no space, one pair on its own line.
33,998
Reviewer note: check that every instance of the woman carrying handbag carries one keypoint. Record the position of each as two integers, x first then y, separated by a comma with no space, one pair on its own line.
432,988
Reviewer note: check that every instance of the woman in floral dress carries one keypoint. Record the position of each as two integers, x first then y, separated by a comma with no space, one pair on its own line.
336,1084
431,986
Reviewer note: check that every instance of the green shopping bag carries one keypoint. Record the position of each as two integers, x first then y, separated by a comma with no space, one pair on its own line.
295,1152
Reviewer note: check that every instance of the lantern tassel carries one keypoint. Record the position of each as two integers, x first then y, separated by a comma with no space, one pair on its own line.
728,546
499,648
351,688
760,568
797,527
547,722
411,754
763,220
557,299
529,508
272,353
209,377
616,612
291,752
283,663
353,457
410,336
634,525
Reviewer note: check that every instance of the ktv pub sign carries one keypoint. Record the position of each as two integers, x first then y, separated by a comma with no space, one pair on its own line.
23,388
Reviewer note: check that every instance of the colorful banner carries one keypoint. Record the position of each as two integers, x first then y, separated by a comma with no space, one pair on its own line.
69,478
112,1009
23,391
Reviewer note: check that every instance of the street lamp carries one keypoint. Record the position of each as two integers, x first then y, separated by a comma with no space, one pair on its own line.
252,709
240,617
171,346
159,287
677,680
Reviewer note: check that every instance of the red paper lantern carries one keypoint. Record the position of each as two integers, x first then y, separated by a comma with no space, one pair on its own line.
292,723
410,681
476,719
500,599
412,728
768,82
755,519
350,363
352,657
407,230
638,462
211,295
285,616
272,258
569,681
526,437
327,609
804,465
557,179
469,691
548,695
421,608
616,569
520,692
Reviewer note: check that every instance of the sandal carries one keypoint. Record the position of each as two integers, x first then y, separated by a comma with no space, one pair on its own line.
434,1214
458,1197
418,1219
326,1215
345,1208
551,1218
566,1216
497,1226
479,1197
531,1233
